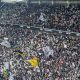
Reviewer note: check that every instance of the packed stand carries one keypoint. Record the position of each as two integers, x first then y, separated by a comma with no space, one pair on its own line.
57,54
57,16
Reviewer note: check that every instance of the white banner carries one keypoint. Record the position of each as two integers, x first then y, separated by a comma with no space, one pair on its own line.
11,1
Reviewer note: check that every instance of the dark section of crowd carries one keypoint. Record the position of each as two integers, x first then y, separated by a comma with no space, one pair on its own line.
58,54
58,16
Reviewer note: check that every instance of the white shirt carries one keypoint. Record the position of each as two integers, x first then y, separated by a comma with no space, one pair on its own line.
50,52
6,65
46,49
11,76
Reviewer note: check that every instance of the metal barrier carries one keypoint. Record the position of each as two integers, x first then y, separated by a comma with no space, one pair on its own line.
44,29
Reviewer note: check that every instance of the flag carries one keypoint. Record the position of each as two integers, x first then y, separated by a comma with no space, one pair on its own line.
4,72
5,43
42,17
33,62
22,54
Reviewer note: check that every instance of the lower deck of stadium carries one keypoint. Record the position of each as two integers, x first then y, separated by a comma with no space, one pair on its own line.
57,54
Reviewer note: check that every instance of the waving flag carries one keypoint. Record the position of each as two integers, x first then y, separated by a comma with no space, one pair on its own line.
4,72
22,54
33,62
5,43
42,17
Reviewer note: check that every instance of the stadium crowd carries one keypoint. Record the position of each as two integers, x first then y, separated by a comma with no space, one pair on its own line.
58,55
58,16
37,54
